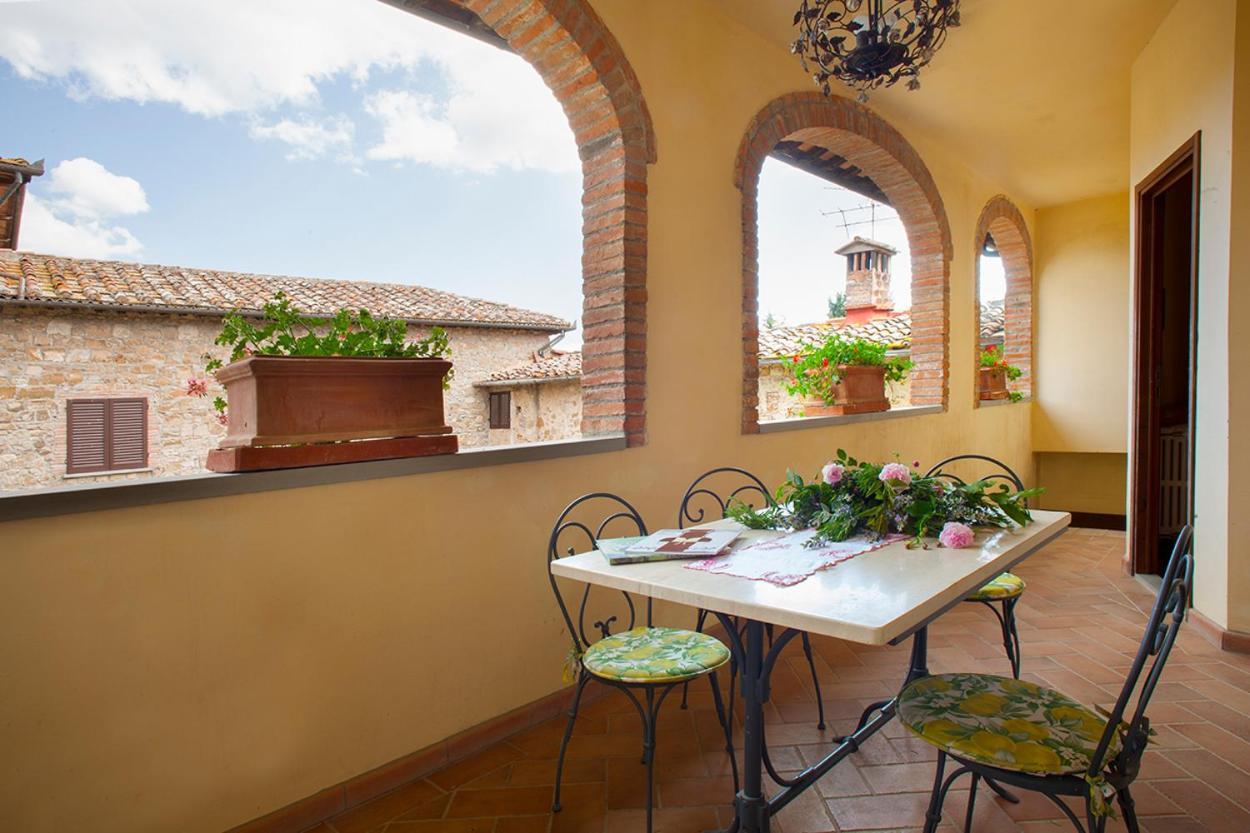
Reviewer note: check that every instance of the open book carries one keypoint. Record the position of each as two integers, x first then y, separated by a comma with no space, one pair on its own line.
668,544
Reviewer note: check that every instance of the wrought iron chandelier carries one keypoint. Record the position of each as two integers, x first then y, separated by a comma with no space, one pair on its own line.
867,44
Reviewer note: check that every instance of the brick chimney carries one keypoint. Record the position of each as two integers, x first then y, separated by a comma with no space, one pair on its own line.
867,279
14,174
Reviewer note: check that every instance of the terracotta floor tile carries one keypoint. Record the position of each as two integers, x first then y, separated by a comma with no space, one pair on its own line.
1080,622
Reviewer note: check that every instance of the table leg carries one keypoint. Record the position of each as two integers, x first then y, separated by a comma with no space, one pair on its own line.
752,809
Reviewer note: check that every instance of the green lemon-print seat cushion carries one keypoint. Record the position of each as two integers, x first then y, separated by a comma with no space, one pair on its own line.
1006,586
1003,722
654,655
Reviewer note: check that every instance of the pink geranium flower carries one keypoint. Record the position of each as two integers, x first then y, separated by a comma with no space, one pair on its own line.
956,536
896,474
222,419
197,387
832,474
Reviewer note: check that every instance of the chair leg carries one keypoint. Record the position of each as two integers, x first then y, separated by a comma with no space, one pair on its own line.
1011,636
933,816
698,626
1128,809
582,679
726,722
972,802
1003,792
811,663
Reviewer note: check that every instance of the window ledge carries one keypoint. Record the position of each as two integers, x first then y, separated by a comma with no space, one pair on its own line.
68,500
110,473
994,403
828,421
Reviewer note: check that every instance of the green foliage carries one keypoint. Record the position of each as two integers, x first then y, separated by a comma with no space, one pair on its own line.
837,306
814,370
285,331
860,502
991,356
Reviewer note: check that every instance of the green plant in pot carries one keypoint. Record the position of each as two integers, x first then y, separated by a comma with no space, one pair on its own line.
305,390
994,374
844,375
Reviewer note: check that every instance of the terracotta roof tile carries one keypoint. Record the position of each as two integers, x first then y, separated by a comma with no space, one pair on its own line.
893,331
70,281
548,368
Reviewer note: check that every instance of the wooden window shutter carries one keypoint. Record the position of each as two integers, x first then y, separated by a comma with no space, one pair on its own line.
128,433
501,409
85,449
106,435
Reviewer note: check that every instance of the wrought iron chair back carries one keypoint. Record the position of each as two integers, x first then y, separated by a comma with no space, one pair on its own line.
702,497
1171,604
998,470
590,517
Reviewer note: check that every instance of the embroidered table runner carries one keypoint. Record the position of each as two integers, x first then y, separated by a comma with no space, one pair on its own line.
787,560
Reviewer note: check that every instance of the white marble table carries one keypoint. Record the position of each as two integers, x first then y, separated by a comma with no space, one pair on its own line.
876,598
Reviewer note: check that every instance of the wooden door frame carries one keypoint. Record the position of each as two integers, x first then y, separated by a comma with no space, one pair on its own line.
1144,457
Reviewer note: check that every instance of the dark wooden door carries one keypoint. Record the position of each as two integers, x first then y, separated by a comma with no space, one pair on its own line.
1164,353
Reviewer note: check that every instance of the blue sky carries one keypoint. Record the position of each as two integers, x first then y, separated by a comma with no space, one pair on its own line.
334,138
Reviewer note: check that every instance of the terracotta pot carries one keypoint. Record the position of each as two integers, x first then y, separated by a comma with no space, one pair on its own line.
289,400
861,390
993,383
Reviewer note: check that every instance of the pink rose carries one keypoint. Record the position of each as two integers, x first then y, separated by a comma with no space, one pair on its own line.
956,536
896,474
832,474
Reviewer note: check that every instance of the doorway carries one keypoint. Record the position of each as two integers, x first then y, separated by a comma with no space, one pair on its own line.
1165,352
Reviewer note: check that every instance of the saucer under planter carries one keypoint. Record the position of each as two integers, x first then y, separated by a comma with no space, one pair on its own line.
992,384
860,390
288,411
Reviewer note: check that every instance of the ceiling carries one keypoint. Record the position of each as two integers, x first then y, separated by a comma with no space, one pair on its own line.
1038,100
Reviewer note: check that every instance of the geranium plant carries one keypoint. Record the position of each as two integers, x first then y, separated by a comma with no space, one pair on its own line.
814,370
851,497
992,357
285,331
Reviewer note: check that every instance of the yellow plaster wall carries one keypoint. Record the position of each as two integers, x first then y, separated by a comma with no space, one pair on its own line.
1081,402
1168,106
191,666
1083,482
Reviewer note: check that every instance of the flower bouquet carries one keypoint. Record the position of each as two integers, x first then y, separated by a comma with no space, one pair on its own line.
851,498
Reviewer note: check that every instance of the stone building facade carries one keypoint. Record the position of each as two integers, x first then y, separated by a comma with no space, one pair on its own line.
53,351
543,398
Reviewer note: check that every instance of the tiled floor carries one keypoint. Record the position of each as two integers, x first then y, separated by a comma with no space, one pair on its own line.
1080,621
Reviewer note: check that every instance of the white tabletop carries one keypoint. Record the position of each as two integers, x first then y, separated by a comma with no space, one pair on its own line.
872,598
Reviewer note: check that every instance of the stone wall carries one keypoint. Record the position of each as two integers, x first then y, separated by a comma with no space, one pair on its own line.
775,403
543,412
48,356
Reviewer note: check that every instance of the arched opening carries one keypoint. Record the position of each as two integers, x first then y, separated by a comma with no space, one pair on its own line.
1004,299
874,152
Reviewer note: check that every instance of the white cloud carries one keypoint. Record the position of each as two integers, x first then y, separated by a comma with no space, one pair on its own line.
44,231
79,220
89,190
310,139
243,56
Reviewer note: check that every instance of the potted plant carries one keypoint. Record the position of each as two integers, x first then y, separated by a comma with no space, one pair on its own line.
844,376
994,375
304,391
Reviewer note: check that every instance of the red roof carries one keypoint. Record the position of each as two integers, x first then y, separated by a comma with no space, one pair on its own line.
116,284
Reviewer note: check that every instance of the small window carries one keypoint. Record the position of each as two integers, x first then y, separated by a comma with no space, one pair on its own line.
501,409
106,435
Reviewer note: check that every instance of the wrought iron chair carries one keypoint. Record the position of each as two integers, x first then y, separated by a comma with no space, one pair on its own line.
700,499
1006,589
1035,738
673,656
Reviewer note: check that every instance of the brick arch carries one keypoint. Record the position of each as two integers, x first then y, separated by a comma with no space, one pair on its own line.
1001,219
584,65
868,142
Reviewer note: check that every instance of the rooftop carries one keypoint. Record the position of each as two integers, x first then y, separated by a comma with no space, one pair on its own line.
552,367
894,331
112,284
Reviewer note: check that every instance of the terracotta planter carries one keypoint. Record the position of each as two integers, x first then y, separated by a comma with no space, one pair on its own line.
298,408
993,384
861,390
